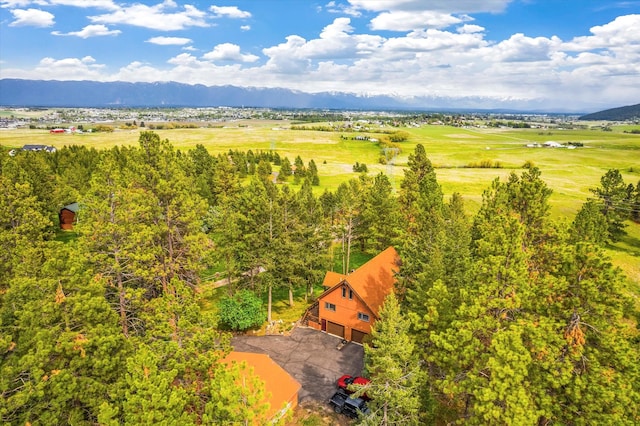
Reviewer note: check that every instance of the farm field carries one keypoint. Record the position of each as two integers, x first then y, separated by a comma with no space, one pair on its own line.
454,151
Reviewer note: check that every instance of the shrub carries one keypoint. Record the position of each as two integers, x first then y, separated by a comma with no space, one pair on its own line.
241,311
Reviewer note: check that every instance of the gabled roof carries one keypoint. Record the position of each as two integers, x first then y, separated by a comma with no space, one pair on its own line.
74,207
279,385
332,278
374,280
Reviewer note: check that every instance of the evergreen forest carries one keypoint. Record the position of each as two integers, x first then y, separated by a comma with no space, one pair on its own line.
506,316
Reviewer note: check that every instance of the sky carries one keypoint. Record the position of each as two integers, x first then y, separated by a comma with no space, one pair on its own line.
556,55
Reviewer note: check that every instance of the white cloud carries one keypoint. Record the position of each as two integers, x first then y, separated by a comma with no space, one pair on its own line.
229,52
158,17
245,27
99,4
169,41
411,20
284,57
445,6
10,4
619,33
31,18
69,69
519,48
333,7
229,12
470,29
90,31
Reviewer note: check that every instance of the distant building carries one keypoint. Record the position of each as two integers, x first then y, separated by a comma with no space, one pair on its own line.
36,148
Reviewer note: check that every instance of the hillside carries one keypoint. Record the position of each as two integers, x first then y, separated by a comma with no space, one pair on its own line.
624,113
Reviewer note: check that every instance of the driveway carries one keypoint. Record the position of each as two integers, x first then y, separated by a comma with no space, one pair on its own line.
310,356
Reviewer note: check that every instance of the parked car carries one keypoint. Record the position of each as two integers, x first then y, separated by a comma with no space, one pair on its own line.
343,404
346,380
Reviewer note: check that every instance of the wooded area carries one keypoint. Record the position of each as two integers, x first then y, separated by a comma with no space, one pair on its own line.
506,317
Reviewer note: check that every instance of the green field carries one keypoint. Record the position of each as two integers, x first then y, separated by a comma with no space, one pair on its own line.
570,173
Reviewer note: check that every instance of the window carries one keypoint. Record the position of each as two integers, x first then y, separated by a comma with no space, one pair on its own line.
329,306
344,292
363,317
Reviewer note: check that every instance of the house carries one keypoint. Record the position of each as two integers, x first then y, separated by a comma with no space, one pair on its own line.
281,389
36,148
67,216
351,303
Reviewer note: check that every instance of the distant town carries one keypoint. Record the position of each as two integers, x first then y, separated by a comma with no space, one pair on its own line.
65,118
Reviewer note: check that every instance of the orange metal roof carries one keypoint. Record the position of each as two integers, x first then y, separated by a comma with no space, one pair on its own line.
332,278
280,387
374,280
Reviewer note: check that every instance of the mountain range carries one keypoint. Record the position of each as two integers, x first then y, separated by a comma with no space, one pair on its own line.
53,93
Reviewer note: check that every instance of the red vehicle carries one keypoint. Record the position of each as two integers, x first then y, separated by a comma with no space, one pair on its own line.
346,380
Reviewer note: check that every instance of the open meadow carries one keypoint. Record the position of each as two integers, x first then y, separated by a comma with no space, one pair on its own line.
456,152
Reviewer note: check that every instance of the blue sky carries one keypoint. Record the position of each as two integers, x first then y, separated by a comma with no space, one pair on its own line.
564,55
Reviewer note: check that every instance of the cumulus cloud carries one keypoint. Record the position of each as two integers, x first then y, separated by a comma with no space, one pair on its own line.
69,69
519,48
245,27
333,7
10,4
407,21
90,31
99,4
445,6
229,12
158,17
229,52
31,18
619,33
169,41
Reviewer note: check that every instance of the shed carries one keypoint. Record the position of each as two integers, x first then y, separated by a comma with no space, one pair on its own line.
282,389
67,216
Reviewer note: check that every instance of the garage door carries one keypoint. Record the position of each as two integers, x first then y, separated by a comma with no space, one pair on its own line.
357,336
335,329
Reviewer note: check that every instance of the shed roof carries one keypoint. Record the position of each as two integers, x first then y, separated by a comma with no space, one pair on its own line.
74,207
279,385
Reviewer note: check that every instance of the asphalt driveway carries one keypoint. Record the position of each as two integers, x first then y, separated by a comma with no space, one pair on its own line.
310,356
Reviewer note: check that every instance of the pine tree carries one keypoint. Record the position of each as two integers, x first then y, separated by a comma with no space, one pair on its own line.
64,349
393,368
613,195
380,216
590,224
531,340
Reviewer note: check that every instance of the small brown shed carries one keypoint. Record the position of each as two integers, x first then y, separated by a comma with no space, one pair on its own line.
67,216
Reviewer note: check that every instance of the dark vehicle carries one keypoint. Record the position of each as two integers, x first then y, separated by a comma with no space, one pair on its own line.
343,404
346,380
